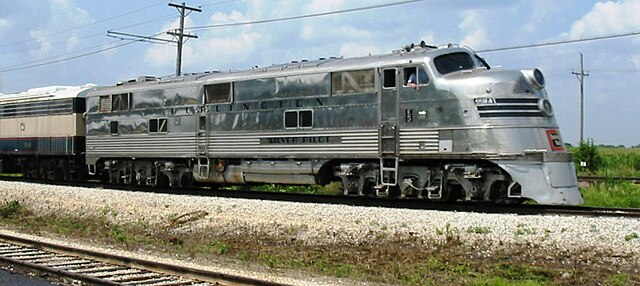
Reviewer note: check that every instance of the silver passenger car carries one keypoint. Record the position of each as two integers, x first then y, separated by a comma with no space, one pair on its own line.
422,122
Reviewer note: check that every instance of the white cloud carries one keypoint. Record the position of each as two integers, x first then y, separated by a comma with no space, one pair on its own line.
608,18
319,6
212,48
164,55
4,23
221,18
636,61
354,49
63,14
475,33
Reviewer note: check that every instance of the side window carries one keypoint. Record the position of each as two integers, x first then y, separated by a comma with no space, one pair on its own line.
113,127
162,125
298,119
120,102
291,119
357,81
105,103
202,123
305,118
158,125
218,93
389,78
414,76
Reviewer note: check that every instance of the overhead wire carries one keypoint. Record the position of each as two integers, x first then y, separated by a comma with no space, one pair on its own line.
216,26
310,16
74,57
85,25
564,42
37,64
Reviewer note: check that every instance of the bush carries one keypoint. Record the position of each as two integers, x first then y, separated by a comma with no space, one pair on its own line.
588,153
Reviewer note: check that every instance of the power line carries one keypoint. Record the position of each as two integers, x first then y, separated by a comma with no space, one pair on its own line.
83,26
561,42
207,27
220,3
71,58
90,36
324,14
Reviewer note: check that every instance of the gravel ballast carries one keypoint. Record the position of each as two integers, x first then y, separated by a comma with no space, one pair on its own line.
612,239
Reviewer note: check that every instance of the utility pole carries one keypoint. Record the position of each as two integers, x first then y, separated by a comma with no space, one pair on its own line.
580,75
184,10
179,33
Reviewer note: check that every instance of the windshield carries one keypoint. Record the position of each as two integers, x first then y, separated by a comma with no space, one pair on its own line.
453,62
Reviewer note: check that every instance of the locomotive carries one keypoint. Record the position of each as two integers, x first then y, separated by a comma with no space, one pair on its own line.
427,122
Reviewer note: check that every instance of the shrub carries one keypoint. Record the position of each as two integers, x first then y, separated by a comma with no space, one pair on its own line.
588,153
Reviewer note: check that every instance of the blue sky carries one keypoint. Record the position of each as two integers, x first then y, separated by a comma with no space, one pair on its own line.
38,31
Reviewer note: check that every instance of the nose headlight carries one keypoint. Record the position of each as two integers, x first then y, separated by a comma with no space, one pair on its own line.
535,77
544,105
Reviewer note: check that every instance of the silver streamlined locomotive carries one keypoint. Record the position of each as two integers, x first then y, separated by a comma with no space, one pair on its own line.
423,122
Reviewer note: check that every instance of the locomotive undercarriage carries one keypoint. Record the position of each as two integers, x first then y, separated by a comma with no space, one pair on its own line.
55,168
174,173
451,181
440,182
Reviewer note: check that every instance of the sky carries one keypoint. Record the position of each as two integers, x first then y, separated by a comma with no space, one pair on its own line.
67,42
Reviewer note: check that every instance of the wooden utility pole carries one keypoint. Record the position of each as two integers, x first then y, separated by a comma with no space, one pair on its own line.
179,33
580,75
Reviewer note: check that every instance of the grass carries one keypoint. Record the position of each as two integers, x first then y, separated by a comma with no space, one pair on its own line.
612,194
609,162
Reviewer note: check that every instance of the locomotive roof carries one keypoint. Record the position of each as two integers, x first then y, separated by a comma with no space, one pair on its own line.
402,57
47,93
335,64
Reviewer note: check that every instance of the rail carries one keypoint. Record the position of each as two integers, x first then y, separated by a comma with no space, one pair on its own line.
593,179
98,268
482,207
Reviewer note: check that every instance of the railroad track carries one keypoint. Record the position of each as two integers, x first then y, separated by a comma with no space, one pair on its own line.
591,179
376,202
97,268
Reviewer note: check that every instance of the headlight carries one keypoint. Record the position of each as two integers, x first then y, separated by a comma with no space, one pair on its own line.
544,105
535,77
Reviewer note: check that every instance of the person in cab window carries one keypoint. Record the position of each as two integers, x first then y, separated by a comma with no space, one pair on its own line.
412,81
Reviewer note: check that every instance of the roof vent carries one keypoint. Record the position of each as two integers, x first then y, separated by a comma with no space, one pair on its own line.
146,78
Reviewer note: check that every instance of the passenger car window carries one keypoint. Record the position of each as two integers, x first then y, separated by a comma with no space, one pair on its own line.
453,62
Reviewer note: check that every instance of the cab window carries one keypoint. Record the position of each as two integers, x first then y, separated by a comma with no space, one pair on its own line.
414,76
453,62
